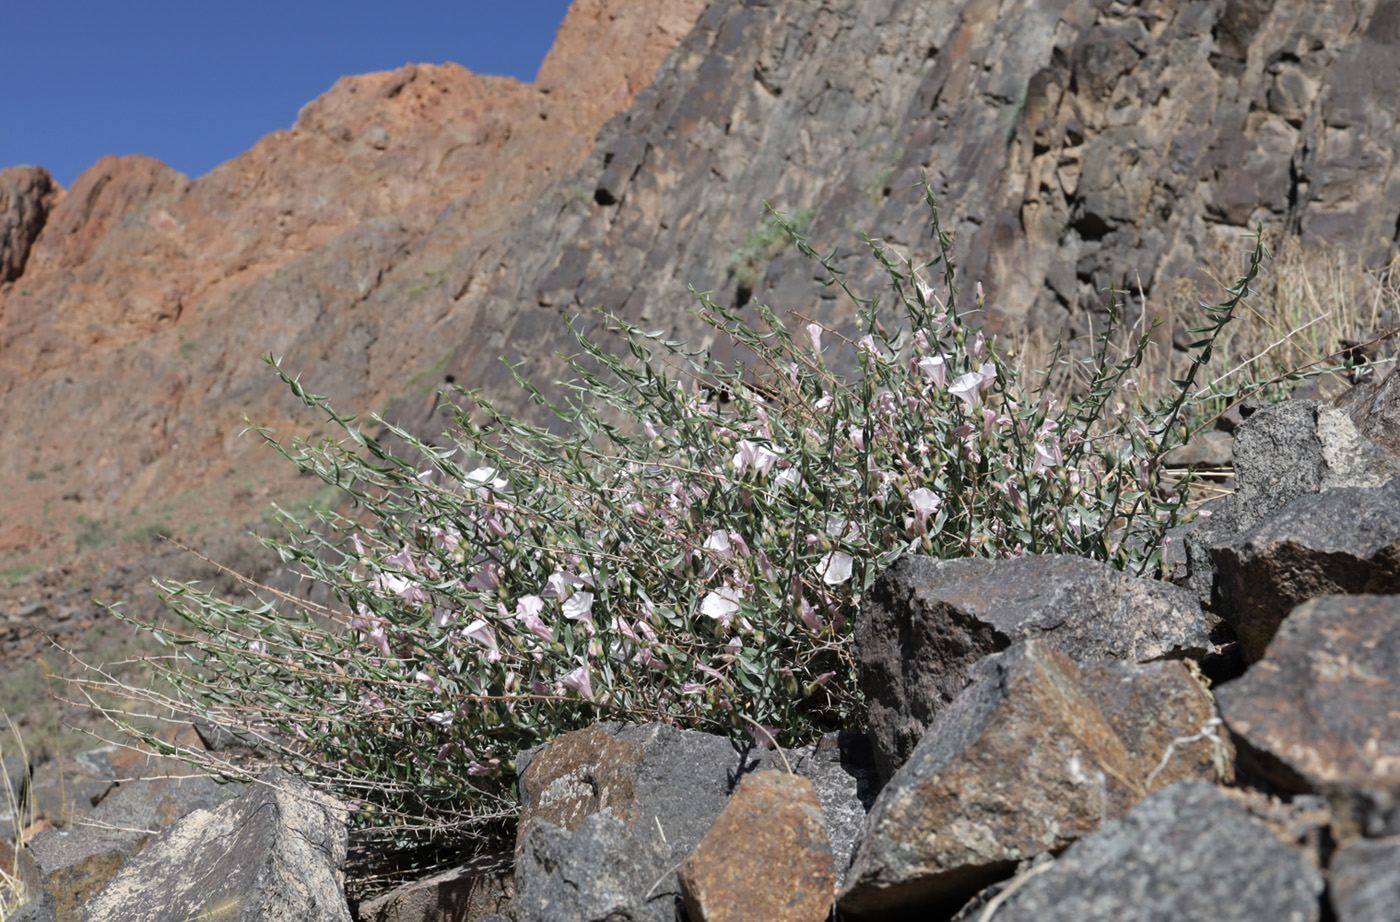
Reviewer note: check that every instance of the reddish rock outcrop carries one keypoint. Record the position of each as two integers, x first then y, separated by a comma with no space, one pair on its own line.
129,345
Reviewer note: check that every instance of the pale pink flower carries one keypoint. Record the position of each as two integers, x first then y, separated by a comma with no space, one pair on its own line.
925,503
483,480
647,658
764,736
1046,457
380,638
485,635
441,718
258,647
528,609
925,290
979,342
867,345
789,477
559,584
823,678
580,681
935,368
428,681
448,537
968,388
814,331
402,559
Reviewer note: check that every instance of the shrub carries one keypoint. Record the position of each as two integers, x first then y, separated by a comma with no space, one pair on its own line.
688,543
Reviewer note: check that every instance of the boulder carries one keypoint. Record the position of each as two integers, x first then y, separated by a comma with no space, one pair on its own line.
1374,408
1282,453
1319,707
276,852
1035,753
74,866
925,622
1346,540
604,870
767,856
1363,881
1186,852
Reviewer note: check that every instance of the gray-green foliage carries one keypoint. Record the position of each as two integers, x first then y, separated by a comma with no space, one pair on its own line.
690,546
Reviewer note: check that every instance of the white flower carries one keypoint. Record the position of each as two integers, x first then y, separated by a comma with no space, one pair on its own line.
718,543
579,607
835,568
722,604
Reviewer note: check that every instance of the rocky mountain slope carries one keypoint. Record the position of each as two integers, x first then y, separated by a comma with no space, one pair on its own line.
413,227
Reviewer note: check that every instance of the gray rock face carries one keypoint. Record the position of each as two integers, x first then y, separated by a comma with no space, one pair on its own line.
27,194
1034,754
1187,852
1078,144
1363,881
606,870
925,622
1282,453
275,853
1319,708
1346,540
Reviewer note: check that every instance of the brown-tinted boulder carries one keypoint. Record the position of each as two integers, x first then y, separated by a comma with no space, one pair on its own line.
1035,753
1319,707
75,866
767,856
925,622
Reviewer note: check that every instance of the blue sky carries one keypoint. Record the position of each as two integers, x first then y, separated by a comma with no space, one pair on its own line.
196,82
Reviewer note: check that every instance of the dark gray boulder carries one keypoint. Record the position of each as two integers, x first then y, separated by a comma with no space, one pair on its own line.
605,870
1186,852
1345,540
674,783
1293,449
1363,881
925,622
